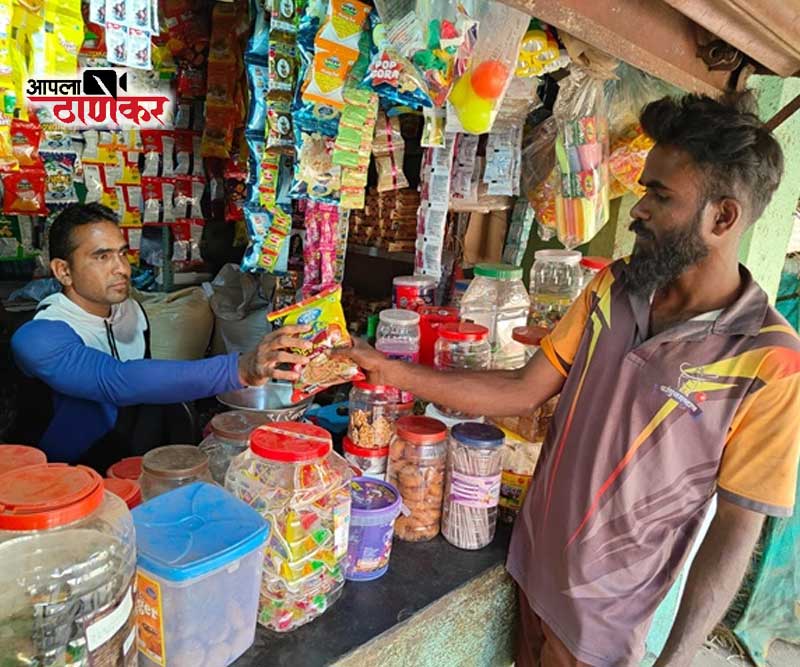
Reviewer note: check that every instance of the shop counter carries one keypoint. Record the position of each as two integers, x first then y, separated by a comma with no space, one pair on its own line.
437,606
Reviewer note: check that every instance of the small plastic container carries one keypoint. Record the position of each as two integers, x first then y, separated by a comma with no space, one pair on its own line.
531,338
556,280
375,506
126,489
472,492
167,468
416,468
371,462
129,468
462,346
13,457
229,437
372,415
498,300
200,554
430,319
68,561
411,292
291,476
591,266
399,338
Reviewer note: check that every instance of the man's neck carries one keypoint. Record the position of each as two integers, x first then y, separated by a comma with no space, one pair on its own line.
97,309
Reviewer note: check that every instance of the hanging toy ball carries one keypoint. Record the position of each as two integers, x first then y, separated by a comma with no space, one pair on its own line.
489,79
460,91
476,114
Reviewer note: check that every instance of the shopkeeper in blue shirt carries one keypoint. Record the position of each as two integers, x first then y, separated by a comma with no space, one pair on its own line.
90,345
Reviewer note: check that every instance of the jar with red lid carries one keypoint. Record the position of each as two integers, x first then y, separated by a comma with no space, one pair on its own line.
373,411
591,266
462,346
370,461
293,478
69,557
229,437
417,458
166,468
127,468
127,489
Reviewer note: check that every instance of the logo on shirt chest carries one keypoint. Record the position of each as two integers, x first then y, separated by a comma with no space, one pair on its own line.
689,394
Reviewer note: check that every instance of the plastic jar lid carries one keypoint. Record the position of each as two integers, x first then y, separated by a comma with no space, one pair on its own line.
529,335
420,430
175,462
129,468
571,257
290,442
368,453
414,281
13,457
366,386
475,434
400,317
499,271
236,424
437,313
463,332
126,489
47,496
595,263
373,496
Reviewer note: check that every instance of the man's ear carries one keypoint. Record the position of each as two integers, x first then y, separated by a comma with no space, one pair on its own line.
61,272
728,213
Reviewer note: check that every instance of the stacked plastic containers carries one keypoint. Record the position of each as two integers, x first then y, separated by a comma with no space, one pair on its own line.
229,437
431,318
68,559
127,468
199,566
412,292
291,476
462,346
556,280
498,300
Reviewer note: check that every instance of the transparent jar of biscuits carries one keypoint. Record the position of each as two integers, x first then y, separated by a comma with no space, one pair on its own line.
417,458
373,412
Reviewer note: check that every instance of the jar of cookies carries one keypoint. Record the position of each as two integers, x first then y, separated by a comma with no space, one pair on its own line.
372,415
417,459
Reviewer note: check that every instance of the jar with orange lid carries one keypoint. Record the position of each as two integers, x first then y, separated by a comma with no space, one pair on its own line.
13,457
229,437
69,556
293,478
417,459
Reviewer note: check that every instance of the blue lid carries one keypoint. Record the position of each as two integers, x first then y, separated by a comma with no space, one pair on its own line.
475,434
193,530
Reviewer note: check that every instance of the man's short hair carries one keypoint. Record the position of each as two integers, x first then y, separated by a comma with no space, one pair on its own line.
60,239
740,157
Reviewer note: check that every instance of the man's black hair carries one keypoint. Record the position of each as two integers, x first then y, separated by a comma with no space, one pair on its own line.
740,157
60,236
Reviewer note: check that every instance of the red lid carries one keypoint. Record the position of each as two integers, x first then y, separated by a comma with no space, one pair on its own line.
420,430
126,489
290,442
366,386
368,452
529,335
13,457
48,495
595,263
463,331
438,313
130,468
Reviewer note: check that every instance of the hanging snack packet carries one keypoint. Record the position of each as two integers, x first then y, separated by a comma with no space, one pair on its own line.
279,120
25,138
258,84
60,183
282,66
396,80
328,331
284,17
23,192
344,24
329,70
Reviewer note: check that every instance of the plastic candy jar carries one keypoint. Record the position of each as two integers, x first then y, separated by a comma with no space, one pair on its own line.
167,468
556,280
127,489
229,437
68,561
474,468
371,462
128,468
291,476
398,337
462,346
372,415
416,467
411,292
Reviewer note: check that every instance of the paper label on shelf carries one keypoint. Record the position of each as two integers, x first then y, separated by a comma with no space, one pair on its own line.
150,619
108,638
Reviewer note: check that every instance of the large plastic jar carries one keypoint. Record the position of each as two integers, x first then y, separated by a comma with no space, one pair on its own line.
416,468
127,489
373,411
398,337
531,338
591,266
411,292
430,319
556,280
498,300
229,437
292,477
474,469
200,556
13,457
371,462
68,556
462,346
166,468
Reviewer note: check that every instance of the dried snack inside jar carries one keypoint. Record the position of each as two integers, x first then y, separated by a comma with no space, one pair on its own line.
372,415
416,467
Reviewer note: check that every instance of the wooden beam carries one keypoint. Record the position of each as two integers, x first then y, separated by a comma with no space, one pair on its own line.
648,34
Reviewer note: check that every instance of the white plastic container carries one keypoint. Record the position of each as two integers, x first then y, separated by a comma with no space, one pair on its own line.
200,557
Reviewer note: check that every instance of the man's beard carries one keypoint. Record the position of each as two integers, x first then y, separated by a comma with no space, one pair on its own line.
663,260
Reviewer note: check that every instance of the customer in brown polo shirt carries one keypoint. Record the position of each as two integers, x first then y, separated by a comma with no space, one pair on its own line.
678,381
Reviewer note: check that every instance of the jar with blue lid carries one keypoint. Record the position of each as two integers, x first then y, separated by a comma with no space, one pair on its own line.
472,485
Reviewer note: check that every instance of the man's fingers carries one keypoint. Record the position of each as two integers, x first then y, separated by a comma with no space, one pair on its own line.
283,357
291,376
295,329
286,342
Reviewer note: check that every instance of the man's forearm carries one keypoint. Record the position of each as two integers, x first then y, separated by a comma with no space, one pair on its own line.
713,581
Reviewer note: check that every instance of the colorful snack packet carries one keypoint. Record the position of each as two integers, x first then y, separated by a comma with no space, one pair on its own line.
328,331
24,191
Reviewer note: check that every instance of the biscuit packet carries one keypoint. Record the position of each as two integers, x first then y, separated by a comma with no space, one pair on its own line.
324,313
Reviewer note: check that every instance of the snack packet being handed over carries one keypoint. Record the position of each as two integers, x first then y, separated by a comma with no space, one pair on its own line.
324,313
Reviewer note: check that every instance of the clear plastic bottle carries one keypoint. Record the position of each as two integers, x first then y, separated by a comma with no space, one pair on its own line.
498,300
398,337
556,281
462,346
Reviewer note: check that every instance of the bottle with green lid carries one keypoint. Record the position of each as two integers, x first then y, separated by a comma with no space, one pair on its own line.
498,300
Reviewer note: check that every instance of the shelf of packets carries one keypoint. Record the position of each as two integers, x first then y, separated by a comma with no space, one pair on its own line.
388,221
17,238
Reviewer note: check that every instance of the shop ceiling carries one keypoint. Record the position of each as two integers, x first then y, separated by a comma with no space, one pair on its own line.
697,45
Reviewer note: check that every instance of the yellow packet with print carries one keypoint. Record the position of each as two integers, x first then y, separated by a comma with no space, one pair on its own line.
343,25
328,74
